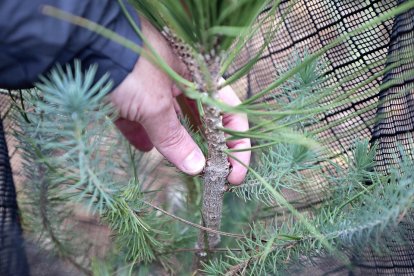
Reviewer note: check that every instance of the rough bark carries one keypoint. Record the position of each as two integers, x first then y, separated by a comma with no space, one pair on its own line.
215,175
217,166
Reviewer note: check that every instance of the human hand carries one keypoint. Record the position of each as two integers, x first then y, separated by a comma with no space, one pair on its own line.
145,101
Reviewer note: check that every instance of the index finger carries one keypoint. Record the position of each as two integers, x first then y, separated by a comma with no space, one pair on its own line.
237,122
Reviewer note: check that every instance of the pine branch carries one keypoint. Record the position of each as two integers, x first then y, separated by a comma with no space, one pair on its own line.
60,138
210,230
42,208
195,250
376,214
47,226
256,255
349,220
281,165
241,268
205,74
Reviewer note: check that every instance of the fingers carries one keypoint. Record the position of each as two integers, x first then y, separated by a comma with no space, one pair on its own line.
238,122
173,141
145,100
177,108
239,172
135,133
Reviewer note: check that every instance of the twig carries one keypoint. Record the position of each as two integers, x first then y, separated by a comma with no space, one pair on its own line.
43,201
233,235
196,250
241,268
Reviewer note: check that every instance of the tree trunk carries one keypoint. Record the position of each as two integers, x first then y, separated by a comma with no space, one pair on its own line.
215,177
217,167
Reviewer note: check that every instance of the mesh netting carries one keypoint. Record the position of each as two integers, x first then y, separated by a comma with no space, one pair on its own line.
396,112
382,115
12,257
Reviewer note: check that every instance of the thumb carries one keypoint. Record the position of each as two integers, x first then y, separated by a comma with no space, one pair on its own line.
173,141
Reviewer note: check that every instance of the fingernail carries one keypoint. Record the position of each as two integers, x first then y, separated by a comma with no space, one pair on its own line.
194,162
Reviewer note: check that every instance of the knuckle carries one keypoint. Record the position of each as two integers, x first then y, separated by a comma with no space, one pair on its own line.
133,113
174,138
160,106
154,110
131,109
164,105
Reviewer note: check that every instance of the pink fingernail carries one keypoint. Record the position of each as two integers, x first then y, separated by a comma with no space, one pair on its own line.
194,162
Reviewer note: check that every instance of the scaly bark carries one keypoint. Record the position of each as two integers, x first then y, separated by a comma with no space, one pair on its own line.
217,166
215,177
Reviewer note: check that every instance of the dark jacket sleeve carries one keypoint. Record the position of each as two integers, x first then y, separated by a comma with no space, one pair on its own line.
31,43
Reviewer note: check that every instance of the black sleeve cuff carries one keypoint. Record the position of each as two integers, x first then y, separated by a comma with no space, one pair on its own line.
31,43
111,57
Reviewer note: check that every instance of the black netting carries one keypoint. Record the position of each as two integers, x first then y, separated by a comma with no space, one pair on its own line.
383,115
395,114
12,255
355,65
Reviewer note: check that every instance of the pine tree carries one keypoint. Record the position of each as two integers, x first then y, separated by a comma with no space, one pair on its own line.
67,138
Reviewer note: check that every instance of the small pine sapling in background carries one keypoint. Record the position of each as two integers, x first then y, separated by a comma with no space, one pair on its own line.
67,136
